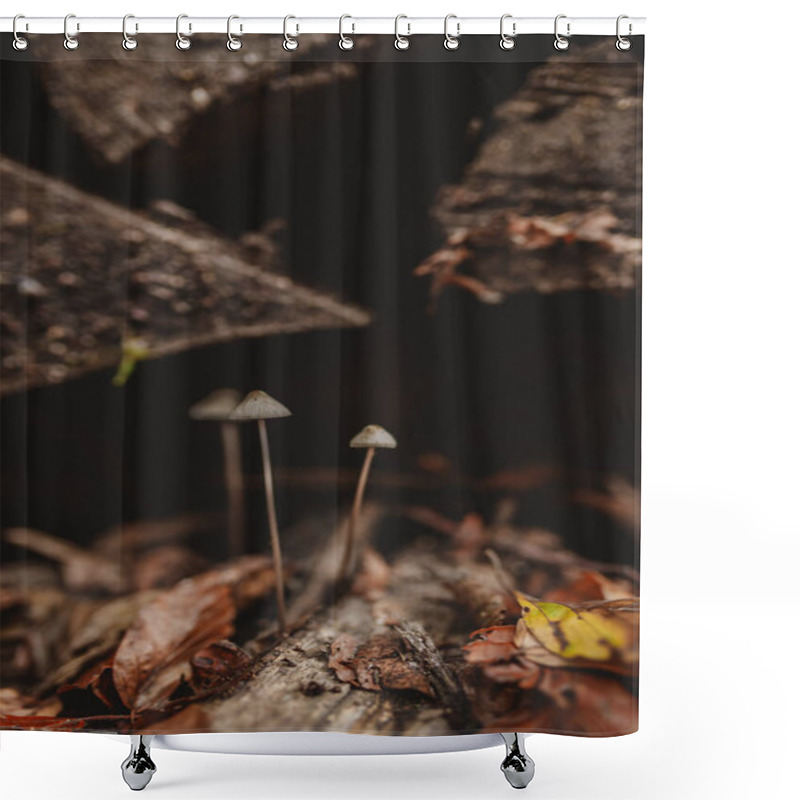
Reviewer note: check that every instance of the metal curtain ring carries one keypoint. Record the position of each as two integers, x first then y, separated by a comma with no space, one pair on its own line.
234,43
561,42
70,41
289,42
182,42
451,42
346,42
401,42
20,42
507,42
622,42
129,42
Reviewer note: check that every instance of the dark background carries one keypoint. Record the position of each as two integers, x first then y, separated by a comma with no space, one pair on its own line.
353,168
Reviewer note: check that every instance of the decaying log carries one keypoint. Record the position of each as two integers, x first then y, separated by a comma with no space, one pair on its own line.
297,685
119,100
86,284
295,689
550,202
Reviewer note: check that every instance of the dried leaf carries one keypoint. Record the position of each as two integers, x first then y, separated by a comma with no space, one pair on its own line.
575,701
32,635
218,664
13,722
620,501
588,586
596,634
97,637
495,651
155,652
143,534
92,693
248,577
11,599
470,537
165,566
381,663
13,702
81,569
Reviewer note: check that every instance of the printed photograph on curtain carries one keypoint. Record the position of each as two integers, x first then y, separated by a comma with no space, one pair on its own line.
320,386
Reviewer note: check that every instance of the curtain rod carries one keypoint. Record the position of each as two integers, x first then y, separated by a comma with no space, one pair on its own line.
296,25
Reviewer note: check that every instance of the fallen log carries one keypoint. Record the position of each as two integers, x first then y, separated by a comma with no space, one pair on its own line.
551,201
120,100
87,284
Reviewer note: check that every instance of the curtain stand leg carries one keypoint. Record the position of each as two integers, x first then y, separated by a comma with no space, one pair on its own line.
138,768
517,766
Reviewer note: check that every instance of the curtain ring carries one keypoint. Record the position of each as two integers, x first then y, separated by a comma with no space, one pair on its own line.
561,42
507,42
182,42
289,42
129,42
451,42
401,42
70,41
346,42
622,42
20,42
234,43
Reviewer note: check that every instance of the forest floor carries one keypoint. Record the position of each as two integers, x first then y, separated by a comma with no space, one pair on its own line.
480,626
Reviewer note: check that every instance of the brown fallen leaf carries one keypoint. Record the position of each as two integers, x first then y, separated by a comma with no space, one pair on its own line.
97,637
520,479
579,702
32,634
133,537
495,651
620,500
92,693
13,722
590,585
218,664
248,577
11,599
12,701
165,566
383,662
81,569
470,537
154,654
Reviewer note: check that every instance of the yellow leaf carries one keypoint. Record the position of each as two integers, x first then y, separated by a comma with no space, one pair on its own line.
593,634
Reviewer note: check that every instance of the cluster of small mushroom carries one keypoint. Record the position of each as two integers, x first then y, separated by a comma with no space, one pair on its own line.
226,407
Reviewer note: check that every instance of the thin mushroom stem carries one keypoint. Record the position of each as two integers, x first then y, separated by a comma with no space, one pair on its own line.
355,513
234,484
273,523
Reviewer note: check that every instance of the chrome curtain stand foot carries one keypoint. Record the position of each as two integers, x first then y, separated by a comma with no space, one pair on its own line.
138,768
517,766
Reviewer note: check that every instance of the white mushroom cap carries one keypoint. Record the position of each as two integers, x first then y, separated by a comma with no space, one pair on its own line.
374,436
217,406
259,405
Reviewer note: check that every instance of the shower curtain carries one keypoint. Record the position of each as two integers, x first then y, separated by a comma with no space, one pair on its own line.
320,385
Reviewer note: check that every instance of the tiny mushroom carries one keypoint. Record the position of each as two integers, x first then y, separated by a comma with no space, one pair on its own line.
258,406
217,407
370,438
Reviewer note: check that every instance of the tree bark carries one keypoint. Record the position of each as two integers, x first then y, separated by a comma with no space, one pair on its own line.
550,202
151,284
